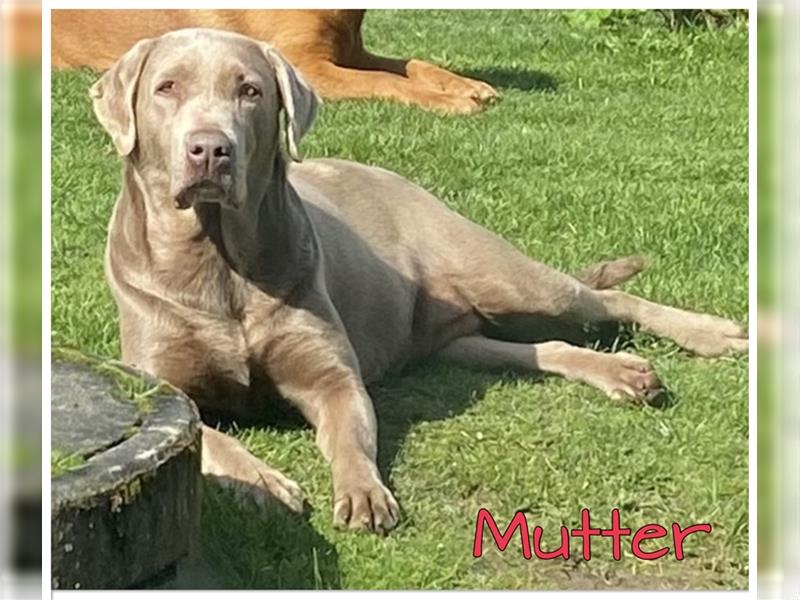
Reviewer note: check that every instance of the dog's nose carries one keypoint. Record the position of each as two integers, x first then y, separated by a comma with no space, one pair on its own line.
209,150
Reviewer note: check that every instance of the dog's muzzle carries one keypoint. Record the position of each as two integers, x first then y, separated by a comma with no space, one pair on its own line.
209,159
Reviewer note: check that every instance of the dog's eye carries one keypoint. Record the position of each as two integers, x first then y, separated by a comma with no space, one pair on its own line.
165,87
247,90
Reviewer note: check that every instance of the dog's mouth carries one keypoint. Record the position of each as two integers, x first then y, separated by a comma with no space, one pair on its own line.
203,190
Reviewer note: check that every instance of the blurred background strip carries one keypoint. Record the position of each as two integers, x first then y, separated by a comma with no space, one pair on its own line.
788,430
778,300
768,474
20,300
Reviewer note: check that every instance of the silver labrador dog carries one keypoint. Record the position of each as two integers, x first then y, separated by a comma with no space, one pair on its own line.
240,271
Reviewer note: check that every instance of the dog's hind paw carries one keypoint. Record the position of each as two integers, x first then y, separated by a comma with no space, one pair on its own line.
629,377
709,336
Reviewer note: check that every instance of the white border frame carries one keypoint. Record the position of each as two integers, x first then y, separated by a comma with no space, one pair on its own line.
48,5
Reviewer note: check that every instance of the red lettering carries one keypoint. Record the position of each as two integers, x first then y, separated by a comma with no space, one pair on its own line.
648,532
616,533
518,522
586,532
563,550
681,534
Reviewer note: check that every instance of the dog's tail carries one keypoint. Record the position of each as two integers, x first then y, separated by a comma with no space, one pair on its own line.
611,273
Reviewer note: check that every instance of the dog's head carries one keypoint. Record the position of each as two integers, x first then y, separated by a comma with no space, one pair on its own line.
202,113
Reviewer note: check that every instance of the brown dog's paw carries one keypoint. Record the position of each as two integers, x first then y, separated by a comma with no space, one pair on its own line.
365,505
479,90
452,104
449,83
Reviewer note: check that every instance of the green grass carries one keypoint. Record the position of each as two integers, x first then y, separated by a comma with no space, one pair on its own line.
61,462
606,143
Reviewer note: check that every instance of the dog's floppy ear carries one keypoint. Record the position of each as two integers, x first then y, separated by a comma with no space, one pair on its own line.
114,95
298,100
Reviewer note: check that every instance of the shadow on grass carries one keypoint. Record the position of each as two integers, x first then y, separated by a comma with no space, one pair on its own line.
247,547
526,80
425,393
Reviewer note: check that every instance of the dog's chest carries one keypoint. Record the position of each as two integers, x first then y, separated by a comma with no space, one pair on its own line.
230,374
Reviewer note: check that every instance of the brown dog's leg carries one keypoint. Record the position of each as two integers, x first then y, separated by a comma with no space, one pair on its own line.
342,68
619,375
429,76
333,81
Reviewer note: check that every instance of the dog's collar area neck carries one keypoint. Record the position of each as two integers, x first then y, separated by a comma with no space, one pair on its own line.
271,242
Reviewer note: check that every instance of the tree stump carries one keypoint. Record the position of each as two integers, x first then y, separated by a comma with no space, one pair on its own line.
126,479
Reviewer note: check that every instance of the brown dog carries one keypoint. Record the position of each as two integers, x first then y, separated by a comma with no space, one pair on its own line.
325,45
239,271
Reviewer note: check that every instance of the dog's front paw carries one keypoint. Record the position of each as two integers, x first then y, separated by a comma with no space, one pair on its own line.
254,480
363,502
227,462
479,90
446,82
454,104
270,485
370,508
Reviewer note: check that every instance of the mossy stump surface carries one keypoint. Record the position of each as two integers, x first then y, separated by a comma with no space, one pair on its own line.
126,480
